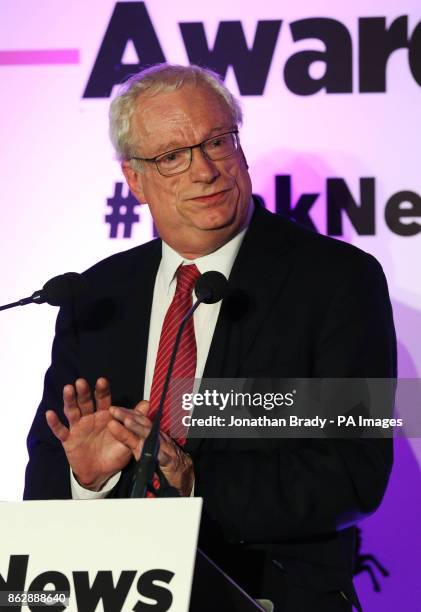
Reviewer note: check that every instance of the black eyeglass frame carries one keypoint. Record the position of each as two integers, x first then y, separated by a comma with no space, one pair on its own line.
200,145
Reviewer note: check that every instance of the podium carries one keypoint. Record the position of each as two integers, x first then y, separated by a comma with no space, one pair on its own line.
213,590
110,555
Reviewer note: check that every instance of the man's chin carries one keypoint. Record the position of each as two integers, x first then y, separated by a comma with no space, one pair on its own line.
214,220
214,226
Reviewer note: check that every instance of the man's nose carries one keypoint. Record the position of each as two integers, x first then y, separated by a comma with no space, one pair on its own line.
202,169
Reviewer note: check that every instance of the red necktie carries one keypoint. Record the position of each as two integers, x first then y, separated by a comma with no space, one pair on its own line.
185,363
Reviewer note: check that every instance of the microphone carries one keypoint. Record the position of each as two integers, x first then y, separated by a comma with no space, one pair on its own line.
210,288
56,292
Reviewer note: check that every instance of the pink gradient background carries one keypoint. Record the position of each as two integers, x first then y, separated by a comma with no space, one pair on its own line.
58,169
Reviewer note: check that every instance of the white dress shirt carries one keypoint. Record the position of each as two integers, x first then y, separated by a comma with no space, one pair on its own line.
205,318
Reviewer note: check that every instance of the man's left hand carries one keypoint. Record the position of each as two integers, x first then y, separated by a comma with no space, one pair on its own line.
131,427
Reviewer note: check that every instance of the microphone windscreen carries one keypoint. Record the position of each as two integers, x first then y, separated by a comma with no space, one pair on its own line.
61,289
211,287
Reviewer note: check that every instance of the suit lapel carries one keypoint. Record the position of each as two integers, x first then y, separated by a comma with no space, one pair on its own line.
131,333
258,275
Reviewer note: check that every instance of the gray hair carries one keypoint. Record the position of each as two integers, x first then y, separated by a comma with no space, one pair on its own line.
153,80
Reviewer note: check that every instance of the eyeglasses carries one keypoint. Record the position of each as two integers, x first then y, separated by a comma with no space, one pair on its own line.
179,160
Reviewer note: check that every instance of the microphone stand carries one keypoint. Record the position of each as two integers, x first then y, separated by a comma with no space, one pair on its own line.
148,463
33,299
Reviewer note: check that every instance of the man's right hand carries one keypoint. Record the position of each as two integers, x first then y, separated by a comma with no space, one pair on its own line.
93,453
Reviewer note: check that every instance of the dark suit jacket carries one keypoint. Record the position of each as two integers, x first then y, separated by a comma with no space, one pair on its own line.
300,305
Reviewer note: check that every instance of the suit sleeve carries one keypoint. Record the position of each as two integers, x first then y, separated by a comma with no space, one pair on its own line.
322,485
47,473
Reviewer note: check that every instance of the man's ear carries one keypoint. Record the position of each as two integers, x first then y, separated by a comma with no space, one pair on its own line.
134,181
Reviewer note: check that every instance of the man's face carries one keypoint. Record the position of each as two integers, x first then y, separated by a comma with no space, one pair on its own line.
200,209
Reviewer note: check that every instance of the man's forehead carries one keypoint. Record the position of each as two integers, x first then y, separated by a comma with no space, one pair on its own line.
180,117
175,141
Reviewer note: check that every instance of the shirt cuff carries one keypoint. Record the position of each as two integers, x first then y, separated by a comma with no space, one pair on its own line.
79,492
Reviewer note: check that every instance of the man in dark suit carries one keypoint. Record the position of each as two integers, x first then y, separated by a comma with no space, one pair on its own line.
278,514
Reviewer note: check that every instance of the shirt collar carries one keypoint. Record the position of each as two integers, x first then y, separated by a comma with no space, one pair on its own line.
220,260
